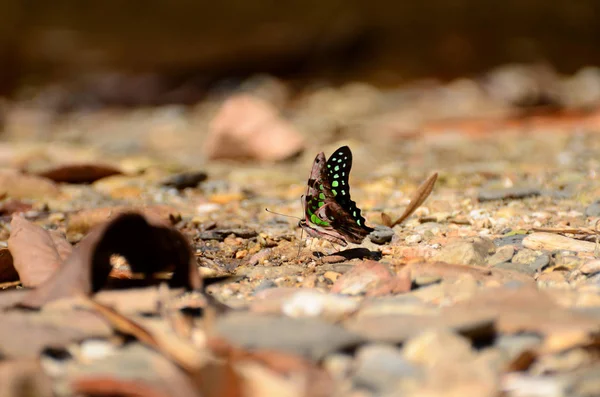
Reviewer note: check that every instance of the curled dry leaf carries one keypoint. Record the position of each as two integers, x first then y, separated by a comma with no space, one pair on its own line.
246,127
148,247
7,268
80,172
12,206
15,184
84,220
416,201
37,253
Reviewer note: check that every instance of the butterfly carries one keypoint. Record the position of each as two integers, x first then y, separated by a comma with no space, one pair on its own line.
329,212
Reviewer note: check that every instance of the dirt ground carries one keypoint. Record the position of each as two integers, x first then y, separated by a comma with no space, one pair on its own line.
137,257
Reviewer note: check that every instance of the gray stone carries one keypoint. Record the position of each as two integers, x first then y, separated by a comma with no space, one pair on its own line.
530,269
525,261
516,240
265,284
525,257
514,345
381,235
463,253
380,367
593,209
513,193
312,338
269,272
569,261
503,254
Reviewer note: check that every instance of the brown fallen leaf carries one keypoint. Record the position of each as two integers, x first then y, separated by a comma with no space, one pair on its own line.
212,378
25,334
80,172
84,220
37,253
417,199
12,206
7,268
148,247
15,184
247,127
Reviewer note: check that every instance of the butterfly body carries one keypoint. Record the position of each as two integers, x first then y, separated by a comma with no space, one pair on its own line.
329,212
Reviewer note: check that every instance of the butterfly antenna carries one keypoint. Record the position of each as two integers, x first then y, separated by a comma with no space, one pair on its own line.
277,213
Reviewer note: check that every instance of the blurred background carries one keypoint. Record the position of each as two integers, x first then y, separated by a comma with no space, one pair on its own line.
449,58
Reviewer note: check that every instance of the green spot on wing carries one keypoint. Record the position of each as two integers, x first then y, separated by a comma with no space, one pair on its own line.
334,184
337,167
322,197
317,221
321,203
334,192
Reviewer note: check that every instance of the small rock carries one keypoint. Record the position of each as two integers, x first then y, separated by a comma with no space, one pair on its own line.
413,239
379,368
514,345
269,272
381,234
515,240
312,303
331,276
503,254
591,267
185,180
338,365
463,253
309,337
513,193
264,285
530,261
437,346
551,242
593,209
567,261
249,127
369,277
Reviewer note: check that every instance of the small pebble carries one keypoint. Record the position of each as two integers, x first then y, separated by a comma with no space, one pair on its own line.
413,239
381,235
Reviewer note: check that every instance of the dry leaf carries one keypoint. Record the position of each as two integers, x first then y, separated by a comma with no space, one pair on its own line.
247,127
84,220
148,248
80,173
28,333
7,269
37,254
12,206
416,201
18,185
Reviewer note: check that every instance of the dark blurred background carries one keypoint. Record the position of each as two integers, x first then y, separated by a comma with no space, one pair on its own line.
152,52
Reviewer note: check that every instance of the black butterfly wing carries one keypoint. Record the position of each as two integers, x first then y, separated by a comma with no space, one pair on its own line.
317,216
338,169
